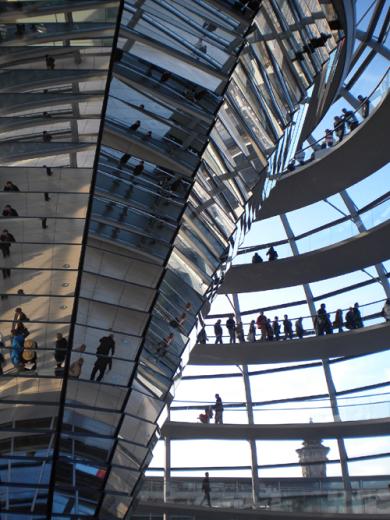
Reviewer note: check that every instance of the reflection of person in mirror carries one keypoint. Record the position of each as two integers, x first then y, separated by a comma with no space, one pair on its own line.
6,239
61,347
163,345
104,353
179,321
19,318
75,368
77,365
29,355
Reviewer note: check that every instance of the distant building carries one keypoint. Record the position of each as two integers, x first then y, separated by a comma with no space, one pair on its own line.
313,450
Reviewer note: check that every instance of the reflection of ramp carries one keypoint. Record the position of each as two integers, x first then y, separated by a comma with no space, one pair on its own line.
206,513
366,249
11,13
18,81
18,150
118,138
356,342
21,102
359,155
325,430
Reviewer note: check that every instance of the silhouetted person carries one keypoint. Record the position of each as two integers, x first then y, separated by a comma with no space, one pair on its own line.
256,259
10,186
218,332
6,274
300,156
200,94
272,254
134,127
276,328
231,327
61,347
46,136
339,127
270,330
329,141
147,136
44,223
20,29
350,319
104,353
6,238
218,408
323,323
118,54
163,345
291,165
350,119
364,109
288,328
9,211
201,46
240,332
338,320
20,315
49,171
50,62
386,310
299,330
206,490
357,316
123,160
202,336
209,26
165,76
139,168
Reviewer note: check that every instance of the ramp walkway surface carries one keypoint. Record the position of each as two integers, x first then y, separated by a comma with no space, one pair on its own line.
363,250
367,340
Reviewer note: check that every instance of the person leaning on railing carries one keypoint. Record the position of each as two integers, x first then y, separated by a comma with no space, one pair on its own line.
364,109
386,310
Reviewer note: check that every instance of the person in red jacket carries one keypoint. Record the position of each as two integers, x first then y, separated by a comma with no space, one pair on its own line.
261,323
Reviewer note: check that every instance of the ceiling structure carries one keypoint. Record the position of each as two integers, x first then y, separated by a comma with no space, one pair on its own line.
136,132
